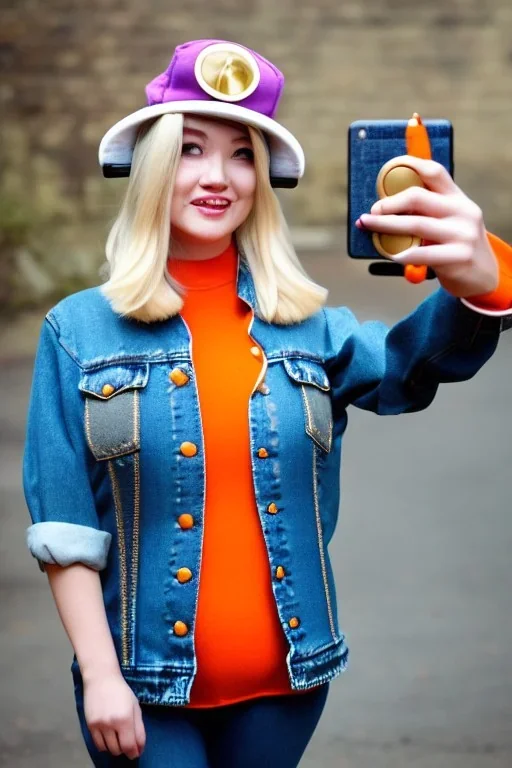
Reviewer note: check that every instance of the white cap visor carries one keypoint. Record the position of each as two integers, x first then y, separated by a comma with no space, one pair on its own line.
286,154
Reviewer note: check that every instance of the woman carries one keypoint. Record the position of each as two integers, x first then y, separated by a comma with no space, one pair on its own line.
184,436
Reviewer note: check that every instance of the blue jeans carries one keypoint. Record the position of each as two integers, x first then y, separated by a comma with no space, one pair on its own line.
270,732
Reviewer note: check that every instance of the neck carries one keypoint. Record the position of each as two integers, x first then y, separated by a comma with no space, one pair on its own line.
184,250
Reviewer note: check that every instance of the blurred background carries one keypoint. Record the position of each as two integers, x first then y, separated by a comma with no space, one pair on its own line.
422,552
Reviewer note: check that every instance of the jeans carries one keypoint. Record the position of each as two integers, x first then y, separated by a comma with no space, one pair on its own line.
269,732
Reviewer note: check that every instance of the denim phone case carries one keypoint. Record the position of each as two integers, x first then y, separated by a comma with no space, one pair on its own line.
371,143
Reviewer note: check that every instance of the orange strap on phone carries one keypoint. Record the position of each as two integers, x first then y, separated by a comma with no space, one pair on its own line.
418,145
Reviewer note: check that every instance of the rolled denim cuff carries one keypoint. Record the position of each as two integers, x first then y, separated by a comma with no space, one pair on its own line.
505,314
66,543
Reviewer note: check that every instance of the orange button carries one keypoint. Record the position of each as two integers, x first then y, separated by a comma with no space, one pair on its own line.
188,449
272,509
280,572
256,351
184,575
180,629
107,390
263,453
179,377
186,521
294,622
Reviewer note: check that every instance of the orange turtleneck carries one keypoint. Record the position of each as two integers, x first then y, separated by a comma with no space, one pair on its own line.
240,645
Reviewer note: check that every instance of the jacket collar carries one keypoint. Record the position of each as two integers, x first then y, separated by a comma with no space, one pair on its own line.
245,283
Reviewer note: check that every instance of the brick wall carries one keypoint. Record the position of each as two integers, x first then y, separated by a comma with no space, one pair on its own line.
69,69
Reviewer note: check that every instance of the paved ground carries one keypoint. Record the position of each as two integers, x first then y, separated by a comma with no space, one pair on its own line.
422,557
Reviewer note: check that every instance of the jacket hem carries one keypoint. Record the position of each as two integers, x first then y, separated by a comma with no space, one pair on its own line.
153,685
169,686
320,667
166,687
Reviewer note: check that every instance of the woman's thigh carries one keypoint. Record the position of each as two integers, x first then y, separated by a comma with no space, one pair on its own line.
271,732
173,739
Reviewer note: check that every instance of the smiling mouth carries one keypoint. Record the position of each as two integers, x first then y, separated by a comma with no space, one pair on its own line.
216,204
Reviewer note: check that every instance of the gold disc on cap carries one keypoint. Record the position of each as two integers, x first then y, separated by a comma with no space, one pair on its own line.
227,72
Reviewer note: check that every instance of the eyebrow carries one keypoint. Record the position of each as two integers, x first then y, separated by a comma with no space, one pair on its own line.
203,135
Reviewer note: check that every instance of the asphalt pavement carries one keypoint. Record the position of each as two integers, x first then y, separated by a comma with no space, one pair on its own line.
422,557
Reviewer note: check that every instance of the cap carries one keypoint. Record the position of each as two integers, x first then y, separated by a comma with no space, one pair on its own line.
214,78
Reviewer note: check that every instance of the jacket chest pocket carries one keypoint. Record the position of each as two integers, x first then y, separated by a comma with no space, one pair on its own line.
316,396
112,411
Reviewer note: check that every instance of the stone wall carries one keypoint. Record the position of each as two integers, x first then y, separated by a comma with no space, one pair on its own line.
69,69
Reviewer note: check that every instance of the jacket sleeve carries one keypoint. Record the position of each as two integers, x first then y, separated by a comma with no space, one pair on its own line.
59,497
398,370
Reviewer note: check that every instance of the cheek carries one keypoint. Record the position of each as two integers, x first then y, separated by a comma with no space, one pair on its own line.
180,195
247,186
185,182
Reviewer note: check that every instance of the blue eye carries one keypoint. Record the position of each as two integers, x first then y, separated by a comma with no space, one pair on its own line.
191,149
245,152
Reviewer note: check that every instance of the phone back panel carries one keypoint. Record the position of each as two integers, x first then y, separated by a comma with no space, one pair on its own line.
371,143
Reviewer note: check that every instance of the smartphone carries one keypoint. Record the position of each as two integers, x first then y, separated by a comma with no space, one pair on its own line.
371,143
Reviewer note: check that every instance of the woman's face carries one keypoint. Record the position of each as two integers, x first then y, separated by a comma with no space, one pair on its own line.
215,182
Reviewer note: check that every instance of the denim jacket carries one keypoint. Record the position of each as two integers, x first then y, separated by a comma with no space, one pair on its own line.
114,464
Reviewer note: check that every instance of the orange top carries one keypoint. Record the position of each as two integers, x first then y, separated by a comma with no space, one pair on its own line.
240,645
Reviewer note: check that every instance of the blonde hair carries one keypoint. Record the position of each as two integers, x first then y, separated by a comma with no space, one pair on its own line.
139,243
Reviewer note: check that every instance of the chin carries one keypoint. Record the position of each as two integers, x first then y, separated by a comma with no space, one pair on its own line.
211,236
204,232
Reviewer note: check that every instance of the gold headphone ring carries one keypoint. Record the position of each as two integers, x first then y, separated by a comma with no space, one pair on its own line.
227,72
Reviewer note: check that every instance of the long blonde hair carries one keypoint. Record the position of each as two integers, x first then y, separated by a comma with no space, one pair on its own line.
139,243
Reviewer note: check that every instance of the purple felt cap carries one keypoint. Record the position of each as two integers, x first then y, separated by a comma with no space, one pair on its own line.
179,81
219,79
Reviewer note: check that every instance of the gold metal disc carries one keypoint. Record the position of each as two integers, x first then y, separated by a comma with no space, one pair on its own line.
227,72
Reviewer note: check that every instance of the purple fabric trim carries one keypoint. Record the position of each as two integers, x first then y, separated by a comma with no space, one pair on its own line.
178,82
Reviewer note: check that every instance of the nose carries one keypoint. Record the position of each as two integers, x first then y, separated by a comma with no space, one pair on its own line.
215,175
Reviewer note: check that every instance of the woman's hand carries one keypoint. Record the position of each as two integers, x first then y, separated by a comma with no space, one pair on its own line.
113,716
452,226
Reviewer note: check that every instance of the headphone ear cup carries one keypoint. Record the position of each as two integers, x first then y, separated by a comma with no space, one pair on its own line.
277,182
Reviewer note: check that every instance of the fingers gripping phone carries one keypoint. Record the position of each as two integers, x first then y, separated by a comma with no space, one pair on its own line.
371,144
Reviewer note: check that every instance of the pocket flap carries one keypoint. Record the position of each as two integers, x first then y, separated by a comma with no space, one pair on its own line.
307,372
109,380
